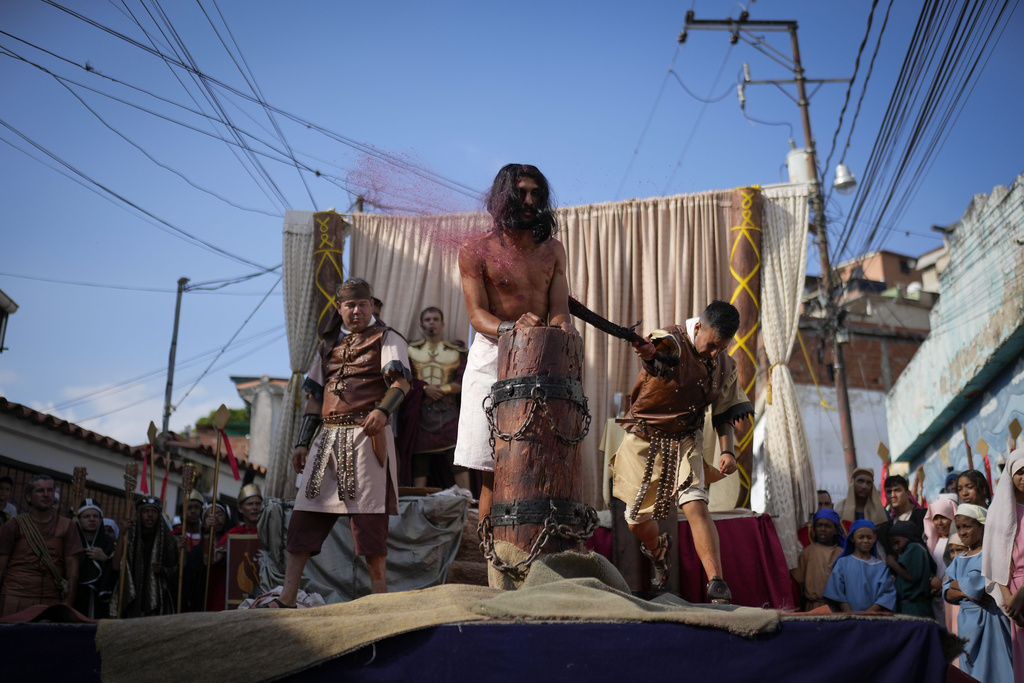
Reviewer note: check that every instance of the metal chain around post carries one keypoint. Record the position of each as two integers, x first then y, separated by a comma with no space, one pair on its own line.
551,528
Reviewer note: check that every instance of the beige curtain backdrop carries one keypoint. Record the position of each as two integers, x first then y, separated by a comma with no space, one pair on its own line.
300,325
788,469
658,261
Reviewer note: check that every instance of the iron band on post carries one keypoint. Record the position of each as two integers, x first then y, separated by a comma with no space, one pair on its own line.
537,512
532,385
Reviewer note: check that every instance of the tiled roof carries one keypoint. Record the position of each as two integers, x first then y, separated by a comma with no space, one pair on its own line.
134,452
64,427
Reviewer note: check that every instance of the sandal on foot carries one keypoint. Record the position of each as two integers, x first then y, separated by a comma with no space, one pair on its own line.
275,601
659,560
718,591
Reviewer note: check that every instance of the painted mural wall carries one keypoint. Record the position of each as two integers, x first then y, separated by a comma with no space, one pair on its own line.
987,418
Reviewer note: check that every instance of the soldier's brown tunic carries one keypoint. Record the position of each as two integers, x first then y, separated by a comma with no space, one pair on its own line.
351,374
670,404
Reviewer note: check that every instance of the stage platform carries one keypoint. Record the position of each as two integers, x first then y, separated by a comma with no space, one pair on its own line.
479,647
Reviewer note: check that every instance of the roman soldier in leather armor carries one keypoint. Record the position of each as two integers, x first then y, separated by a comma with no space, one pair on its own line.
358,379
661,460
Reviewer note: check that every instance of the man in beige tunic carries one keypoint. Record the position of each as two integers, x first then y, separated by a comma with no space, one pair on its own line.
358,379
661,461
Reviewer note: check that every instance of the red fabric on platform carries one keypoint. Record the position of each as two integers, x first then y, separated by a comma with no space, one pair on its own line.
601,542
752,561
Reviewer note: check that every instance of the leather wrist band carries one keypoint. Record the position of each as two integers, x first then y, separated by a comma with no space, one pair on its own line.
393,398
505,326
729,452
310,423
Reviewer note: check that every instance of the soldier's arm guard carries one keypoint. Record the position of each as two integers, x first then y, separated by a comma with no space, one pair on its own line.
310,423
393,398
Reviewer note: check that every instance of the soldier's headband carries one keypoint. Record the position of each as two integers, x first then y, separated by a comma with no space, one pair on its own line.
351,291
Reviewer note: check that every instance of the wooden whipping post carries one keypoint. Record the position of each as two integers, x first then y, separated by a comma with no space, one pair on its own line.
538,416
188,477
131,476
220,418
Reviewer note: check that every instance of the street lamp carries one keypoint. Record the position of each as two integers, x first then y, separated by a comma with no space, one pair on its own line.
844,182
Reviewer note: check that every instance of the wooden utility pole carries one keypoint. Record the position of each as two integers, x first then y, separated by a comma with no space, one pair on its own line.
170,363
735,26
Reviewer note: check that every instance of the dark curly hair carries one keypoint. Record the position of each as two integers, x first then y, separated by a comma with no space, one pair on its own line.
980,483
506,206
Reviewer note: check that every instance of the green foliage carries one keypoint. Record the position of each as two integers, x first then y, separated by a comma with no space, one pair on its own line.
236,415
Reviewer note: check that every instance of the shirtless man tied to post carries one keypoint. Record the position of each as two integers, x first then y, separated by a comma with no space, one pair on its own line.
512,277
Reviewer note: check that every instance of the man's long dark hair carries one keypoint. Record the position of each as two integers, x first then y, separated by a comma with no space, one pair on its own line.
505,206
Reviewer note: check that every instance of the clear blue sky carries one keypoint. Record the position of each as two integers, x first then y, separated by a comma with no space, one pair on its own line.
458,88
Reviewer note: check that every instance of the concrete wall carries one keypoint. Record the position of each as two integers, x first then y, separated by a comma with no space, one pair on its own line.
976,327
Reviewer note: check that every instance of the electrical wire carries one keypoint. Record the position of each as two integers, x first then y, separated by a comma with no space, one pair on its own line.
853,79
237,332
949,48
109,193
161,372
158,394
389,158
647,124
696,125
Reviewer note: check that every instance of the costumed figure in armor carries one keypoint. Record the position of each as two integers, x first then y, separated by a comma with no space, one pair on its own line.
152,564
661,461
358,379
438,365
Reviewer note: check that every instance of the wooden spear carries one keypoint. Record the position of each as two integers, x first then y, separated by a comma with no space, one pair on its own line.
188,476
77,491
220,418
967,445
131,475
151,432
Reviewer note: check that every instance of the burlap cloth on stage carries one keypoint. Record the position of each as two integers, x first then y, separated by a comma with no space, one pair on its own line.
264,644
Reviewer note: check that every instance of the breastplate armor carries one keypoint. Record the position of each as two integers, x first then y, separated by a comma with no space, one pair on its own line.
434,363
355,383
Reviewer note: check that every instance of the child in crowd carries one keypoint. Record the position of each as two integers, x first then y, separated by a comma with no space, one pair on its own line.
862,501
954,548
1003,561
814,565
972,487
860,580
913,570
980,622
937,528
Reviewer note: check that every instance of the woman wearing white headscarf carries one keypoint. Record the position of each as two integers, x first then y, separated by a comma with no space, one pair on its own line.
1002,563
